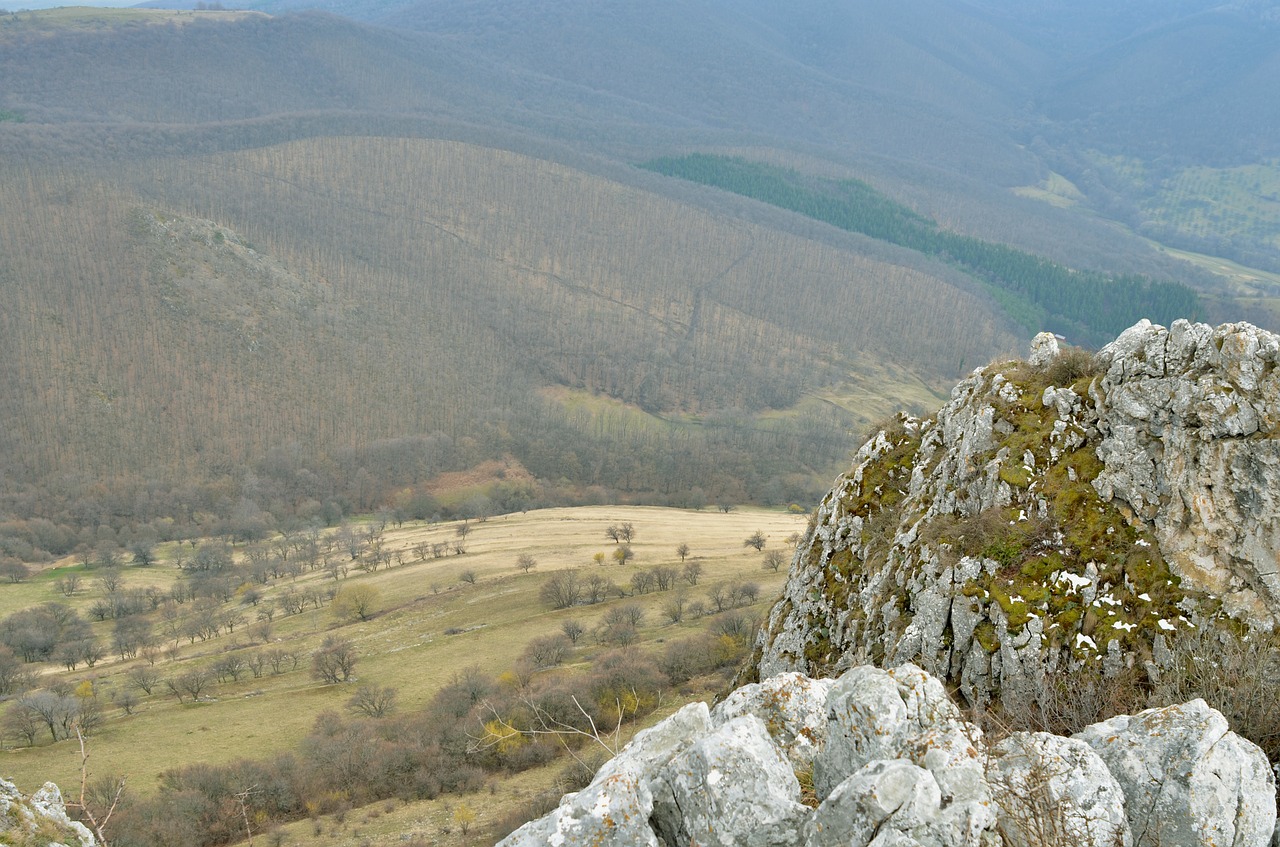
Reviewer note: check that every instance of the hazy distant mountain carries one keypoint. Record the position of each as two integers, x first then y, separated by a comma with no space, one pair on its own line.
1200,88
444,201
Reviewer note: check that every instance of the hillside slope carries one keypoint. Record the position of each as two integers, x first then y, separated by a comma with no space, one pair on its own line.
931,101
210,309
441,225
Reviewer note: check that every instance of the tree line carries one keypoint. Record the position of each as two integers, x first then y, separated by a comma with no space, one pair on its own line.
1090,306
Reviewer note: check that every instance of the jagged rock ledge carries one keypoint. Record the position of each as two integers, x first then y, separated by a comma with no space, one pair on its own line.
39,820
1064,513
885,758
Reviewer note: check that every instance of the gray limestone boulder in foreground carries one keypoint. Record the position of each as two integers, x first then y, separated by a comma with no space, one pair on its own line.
793,708
883,797
615,808
1047,783
733,788
894,763
1187,779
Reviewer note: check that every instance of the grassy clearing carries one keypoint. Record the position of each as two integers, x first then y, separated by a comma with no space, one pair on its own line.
875,390
1243,280
1212,202
405,644
1055,189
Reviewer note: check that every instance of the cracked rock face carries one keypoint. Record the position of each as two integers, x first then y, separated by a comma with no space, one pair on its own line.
1054,515
732,787
1188,418
1046,782
895,764
793,707
39,819
1187,780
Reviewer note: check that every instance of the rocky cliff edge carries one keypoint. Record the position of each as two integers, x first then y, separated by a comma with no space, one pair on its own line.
885,758
1063,513
39,820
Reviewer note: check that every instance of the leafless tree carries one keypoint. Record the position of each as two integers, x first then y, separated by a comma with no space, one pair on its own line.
562,590
572,629
334,661
373,701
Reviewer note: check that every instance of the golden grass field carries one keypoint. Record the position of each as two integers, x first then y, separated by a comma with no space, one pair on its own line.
404,645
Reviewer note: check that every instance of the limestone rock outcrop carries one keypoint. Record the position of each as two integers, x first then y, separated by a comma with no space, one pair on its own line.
1187,779
1062,513
894,763
1188,421
731,787
1047,779
39,819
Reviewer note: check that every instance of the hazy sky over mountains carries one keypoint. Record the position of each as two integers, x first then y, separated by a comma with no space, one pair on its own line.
49,4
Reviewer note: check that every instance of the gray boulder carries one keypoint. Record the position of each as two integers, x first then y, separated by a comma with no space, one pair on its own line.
614,810
653,747
1044,349
732,788
610,812
888,801
1188,781
903,713
793,708
1044,783
39,819
896,765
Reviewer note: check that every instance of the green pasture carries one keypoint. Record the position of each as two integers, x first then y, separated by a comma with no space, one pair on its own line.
406,645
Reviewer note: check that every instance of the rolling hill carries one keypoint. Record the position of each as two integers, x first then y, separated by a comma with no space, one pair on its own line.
213,309
296,264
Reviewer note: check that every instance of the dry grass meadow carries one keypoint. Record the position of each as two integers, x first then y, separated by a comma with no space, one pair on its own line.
406,644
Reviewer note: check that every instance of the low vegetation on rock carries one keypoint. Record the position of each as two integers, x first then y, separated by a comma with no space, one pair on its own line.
1072,524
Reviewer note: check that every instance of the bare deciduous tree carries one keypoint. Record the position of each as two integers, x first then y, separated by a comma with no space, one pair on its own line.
691,572
334,661
572,629
373,701
562,590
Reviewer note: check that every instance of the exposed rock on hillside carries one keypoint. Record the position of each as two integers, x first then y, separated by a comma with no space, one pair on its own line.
39,820
1056,514
892,762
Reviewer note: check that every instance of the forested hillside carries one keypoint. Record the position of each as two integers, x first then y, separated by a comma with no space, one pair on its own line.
348,317
1038,293
261,269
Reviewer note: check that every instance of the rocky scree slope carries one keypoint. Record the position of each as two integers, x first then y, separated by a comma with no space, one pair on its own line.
884,758
1061,515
